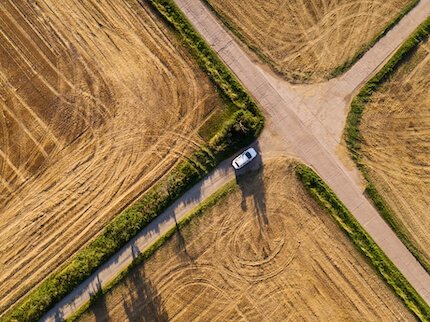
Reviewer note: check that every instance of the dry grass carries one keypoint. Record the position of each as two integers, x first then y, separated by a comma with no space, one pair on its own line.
98,101
396,148
265,252
306,40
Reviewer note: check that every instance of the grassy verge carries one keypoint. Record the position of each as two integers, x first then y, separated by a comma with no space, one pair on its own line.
380,262
208,203
239,130
353,137
337,70
345,66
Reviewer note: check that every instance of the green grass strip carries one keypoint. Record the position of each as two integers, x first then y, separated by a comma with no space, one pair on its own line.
240,130
354,138
337,70
345,66
209,202
380,262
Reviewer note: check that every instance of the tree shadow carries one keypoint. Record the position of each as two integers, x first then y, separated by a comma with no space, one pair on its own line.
59,316
182,249
98,303
142,303
251,183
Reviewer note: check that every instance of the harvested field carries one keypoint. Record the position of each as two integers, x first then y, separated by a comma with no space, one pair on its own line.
396,145
265,252
98,101
307,40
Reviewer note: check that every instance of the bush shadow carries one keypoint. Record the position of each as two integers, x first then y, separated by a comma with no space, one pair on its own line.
98,304
142,303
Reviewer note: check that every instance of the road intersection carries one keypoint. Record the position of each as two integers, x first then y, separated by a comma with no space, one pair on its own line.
309,119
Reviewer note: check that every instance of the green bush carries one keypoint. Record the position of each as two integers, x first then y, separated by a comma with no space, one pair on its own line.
345,66
354,138
336,71
380,262
238,131
201,209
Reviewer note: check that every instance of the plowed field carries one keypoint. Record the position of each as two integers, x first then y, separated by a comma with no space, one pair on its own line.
306,40
98,100
267,252
396,130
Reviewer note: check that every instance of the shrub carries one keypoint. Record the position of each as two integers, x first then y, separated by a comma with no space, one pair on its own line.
238,131
354,138
380,262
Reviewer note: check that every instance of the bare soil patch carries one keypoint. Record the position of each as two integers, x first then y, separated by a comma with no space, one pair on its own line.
265,252
396,147
306,40
98,101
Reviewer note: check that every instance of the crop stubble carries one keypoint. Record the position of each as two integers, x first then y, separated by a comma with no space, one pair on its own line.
307,39
266,252
396,145
98,101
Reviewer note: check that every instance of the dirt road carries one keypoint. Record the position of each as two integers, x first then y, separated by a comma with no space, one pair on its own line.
311,119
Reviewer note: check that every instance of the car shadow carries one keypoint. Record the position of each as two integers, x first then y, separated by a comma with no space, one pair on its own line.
251,182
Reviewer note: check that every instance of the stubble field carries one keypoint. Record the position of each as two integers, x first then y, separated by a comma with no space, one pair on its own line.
98,101
396,146
266,252
306,40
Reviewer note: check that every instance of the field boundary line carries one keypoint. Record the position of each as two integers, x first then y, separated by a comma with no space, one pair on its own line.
353,136
244,125
336,71
363,242
206,203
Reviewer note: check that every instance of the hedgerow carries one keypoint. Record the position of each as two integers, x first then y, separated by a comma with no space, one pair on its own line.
374,255
345,66
238,131
203,207
337,70
354,138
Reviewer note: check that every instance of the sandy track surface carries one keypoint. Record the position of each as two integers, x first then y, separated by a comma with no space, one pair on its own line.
267,252
98,102
306,40
396,131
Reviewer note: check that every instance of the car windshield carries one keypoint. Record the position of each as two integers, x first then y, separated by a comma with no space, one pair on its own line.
248,155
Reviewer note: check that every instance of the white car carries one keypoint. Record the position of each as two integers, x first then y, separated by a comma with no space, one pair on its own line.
244,158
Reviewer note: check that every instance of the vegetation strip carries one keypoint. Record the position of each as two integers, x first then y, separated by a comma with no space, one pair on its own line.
345,66
380,262
337,70
209,202
241,129
353,137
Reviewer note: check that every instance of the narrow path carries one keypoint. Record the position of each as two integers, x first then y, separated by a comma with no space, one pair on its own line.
310,118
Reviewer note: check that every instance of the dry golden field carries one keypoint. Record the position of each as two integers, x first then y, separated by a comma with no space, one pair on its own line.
266,252
396,131
98,100
308,39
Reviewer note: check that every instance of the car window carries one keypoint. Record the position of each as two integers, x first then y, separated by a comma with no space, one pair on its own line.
248,155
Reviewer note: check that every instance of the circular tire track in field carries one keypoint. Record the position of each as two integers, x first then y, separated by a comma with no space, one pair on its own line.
125,103
251,249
